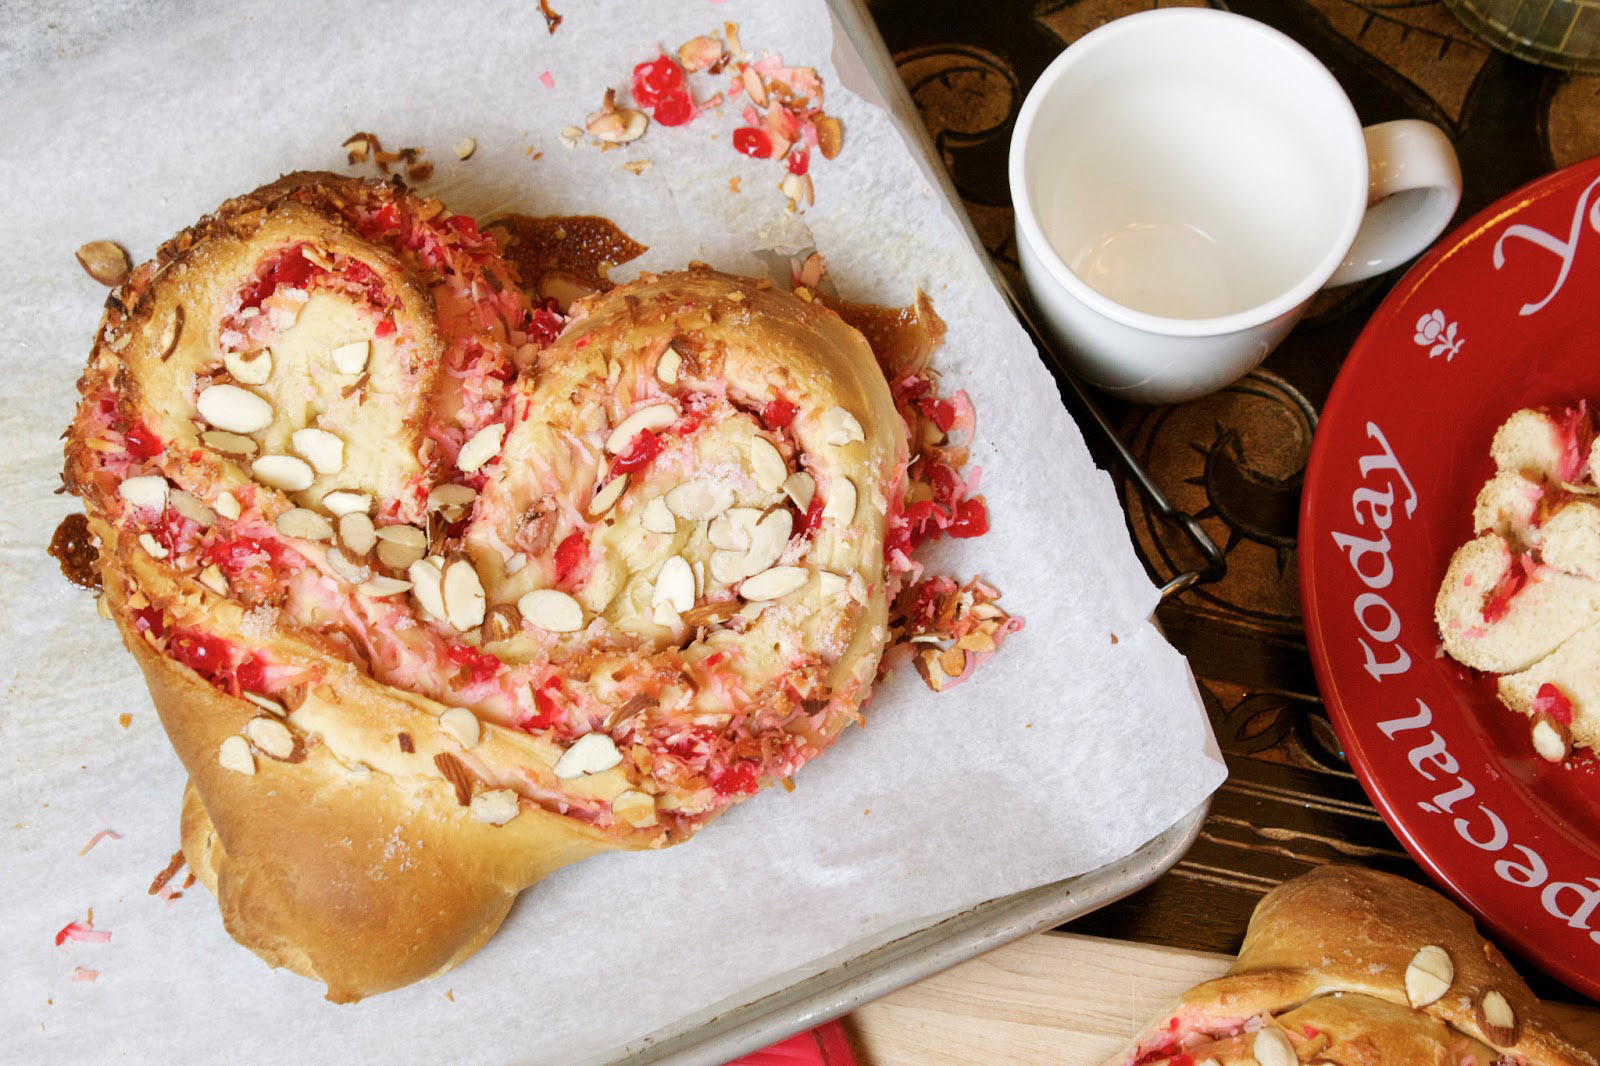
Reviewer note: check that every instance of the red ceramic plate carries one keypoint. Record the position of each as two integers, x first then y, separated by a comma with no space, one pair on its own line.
1504,313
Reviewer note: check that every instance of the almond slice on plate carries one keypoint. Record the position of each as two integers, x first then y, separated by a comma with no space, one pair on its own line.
636,808
551,610
227,506
147,491
249,368
426,580
772,584
767,464
323,450
234,754
841,504
657,517
234,409
351,358
233,445
304,524
800,487
484,445
356,532
283,472
667,367
699,499
656,416
496,806
271,737
1429,975
840,427
461,724
591,753
341,502
674,585
462,591
380,587
607,497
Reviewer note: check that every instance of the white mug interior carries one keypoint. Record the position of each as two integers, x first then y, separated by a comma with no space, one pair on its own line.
1189,172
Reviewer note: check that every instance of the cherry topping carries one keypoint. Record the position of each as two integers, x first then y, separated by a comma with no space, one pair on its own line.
675,108
484,665
142,443
570,554
971,520
941,412
737,778
655,79
799,161
747,140
644,447
777,414
252,674
206,655
1552,701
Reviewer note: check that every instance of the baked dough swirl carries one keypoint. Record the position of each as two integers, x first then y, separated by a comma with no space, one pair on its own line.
436,591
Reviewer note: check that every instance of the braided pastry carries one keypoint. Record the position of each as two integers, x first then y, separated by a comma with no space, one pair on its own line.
432,601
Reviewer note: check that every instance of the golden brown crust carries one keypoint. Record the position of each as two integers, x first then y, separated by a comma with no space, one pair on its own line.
1342,931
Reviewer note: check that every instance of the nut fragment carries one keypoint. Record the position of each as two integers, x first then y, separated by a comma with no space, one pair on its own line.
656,416
501,622
767,463
619,126
667,367
349,570
401,546
283,472
341,502
148,491
754,86
830,584
323,450
380,587
151,547
351,358
800,487
232,445
249,368
551,610
104,261
841,505
705,614
607,497
496,806
426,581
484,445
266,703
591,753
1551,739
227,506
768,539
657,518
464,601
214,579
191,508
674,585
830,136
700,53
451,497
840,427
1429,975
304,524
774,583
699,499
461,724
1271,1047
1497,1020
356,532
636,808
234,754
466,146
234,409
270,736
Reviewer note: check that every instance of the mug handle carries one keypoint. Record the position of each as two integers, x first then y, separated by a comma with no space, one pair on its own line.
1413,188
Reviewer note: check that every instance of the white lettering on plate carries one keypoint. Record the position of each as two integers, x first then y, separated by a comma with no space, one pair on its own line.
1564,250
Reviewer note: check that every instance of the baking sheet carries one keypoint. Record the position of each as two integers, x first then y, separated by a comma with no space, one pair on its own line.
1066,753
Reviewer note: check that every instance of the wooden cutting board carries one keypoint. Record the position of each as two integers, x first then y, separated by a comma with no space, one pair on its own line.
1053,998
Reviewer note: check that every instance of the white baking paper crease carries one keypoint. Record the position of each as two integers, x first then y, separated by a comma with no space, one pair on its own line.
127,121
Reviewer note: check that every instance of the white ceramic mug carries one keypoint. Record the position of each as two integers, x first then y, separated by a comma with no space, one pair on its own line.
1186,179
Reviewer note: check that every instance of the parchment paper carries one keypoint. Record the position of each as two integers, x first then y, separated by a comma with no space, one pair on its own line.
127,121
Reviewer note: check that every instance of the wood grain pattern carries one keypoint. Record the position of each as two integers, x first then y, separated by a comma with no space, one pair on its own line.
1054,998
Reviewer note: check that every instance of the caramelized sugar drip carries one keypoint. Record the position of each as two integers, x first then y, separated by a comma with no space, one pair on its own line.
74,550
581,248
903,338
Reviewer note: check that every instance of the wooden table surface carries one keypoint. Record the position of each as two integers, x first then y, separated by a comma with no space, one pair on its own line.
1236,458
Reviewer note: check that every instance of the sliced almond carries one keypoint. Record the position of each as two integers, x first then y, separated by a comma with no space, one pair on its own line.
667,367
233,445
461,724
830,136
151,546
266,703
591,753
753,85
798,188
767,463
698,53
214,579
351,358
104,261
800,487
341,502
283,472
234,754
227,505
356,533
249,368
1551,739
408,536
447,497
381,587
840,427
831,585
728,567
608,496
699,499
1429,975
551,610
1272,1047
774,583
270,736
466,146
483,446
464,600
401,546
841,503
656,416
515,564
304,524
768,539
191,508
323,450
674,585
426,580
497,806
657,517
705,614
619,126
146,491
636,808
350,571
234,409
501,622
726,533
1497,1020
